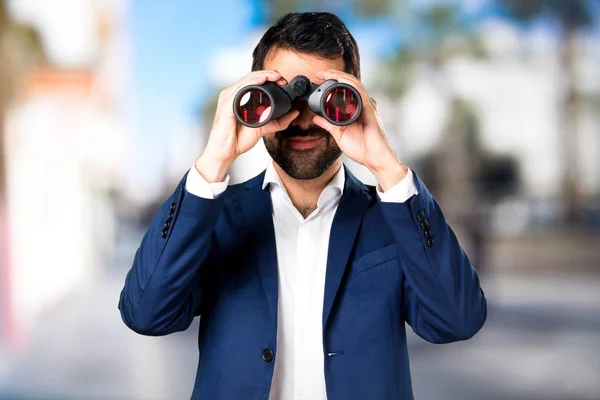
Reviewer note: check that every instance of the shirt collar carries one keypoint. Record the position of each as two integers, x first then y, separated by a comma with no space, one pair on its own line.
336,183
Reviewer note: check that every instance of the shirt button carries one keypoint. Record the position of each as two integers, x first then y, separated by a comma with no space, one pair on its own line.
267,355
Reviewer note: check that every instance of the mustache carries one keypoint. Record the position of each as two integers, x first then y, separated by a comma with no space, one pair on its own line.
295,131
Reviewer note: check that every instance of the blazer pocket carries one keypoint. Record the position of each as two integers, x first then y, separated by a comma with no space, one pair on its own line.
373,259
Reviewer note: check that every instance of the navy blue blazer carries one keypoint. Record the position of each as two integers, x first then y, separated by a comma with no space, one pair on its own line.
388,263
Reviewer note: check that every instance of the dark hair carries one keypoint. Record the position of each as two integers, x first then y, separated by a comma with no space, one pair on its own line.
317,33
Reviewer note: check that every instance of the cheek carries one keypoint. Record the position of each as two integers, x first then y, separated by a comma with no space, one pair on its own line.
270,138
272,142
269,141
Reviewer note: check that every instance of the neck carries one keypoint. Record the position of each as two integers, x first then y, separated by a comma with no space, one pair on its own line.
304,193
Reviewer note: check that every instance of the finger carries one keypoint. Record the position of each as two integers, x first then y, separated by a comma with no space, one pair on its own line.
339,75
373,102
279,124
265,72
336,131
342,77
282,82
256,78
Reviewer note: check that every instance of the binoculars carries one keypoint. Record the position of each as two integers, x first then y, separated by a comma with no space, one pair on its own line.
256,105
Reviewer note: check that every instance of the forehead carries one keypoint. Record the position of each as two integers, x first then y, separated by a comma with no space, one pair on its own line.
290,64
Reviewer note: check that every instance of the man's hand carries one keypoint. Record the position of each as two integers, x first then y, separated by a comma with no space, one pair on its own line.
228,138
364,141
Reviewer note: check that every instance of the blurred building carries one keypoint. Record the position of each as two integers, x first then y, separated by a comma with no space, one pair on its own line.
517,94
66,137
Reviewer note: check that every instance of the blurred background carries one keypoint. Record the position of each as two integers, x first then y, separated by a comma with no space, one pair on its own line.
104,105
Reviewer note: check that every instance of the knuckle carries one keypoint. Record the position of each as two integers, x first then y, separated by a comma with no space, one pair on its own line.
223,93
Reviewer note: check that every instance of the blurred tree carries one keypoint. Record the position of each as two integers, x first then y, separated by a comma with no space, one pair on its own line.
375,8
572,16
361,9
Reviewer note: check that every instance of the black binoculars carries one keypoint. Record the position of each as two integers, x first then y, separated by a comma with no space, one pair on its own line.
256,105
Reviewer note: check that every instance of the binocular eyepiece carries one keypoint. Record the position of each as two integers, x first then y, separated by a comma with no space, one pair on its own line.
256,105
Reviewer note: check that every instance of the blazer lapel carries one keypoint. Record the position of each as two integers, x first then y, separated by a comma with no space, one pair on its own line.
257,209
346,222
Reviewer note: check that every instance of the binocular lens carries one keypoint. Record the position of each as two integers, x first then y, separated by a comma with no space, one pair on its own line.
254,106
341,104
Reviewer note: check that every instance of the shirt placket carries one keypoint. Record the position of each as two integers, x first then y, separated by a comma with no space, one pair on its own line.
304,257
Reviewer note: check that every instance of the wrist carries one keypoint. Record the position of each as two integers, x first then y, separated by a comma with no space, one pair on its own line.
212,169
390,174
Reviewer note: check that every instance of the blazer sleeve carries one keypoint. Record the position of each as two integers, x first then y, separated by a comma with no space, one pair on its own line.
165,286
443,301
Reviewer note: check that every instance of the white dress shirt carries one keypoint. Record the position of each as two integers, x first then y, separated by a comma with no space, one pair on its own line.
302,246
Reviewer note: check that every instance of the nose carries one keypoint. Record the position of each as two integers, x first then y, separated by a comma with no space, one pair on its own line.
304,119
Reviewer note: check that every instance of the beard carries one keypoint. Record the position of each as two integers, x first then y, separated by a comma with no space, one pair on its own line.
303,163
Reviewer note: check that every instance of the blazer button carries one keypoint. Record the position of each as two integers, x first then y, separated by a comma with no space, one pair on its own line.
172,207
167,224
421,216
428,234
164,233
430,242
425,225
267,355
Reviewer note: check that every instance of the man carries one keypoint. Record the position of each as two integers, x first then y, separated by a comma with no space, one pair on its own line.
303,276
